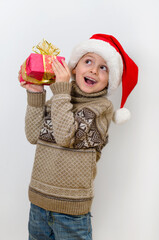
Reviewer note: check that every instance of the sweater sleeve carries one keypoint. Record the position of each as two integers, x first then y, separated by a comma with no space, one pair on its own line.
87,128
34,115
64,124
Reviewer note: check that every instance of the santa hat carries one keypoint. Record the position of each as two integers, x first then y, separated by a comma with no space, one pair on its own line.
121,67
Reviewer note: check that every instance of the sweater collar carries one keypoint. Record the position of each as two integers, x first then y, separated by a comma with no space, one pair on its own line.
79,96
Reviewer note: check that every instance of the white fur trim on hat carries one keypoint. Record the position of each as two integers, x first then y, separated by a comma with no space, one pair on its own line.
121,115
105,50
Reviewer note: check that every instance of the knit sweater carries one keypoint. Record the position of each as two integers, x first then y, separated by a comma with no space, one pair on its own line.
69,131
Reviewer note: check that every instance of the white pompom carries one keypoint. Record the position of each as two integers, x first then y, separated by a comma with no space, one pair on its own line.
121,115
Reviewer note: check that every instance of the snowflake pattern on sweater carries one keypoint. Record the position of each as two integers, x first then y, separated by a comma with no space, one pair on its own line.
87,134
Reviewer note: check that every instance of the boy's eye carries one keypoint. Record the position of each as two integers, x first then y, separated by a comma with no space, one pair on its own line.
104,68
88,61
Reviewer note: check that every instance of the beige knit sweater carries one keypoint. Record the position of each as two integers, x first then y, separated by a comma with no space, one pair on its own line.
69,131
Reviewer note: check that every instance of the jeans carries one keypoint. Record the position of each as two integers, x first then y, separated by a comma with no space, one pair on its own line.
48,225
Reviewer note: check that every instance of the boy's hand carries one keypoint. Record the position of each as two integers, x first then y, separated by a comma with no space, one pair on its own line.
30,87
62,72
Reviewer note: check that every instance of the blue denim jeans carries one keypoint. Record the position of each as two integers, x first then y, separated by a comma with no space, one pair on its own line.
48,225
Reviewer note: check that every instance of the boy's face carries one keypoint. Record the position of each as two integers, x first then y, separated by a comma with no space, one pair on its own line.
91,73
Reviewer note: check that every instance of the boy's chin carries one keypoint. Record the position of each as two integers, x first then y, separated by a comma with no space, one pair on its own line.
87,90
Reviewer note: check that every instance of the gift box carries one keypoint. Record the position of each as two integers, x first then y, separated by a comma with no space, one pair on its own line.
37,68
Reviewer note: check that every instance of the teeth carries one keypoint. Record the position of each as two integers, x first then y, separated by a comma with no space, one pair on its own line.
91,79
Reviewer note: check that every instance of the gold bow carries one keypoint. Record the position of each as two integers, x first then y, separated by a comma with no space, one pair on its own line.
46,48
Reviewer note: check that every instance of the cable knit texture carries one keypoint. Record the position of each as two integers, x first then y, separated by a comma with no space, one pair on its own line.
70,131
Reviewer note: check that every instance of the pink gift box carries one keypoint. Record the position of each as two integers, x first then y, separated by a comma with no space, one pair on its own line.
38,67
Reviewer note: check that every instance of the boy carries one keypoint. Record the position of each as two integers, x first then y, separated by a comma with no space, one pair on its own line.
70,131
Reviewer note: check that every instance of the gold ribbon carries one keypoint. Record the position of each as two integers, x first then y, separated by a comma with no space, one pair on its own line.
46,48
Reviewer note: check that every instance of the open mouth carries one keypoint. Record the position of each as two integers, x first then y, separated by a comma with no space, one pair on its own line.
89,81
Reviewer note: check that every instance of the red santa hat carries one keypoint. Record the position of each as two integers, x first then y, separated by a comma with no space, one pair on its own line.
121,67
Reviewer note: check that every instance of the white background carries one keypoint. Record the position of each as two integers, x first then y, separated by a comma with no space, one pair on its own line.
126,203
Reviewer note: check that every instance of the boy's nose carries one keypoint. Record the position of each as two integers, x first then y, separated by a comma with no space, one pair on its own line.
94,70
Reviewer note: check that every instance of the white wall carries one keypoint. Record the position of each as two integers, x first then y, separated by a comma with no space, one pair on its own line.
126,199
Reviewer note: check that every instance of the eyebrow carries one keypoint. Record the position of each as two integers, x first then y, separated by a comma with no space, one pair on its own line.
93,57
